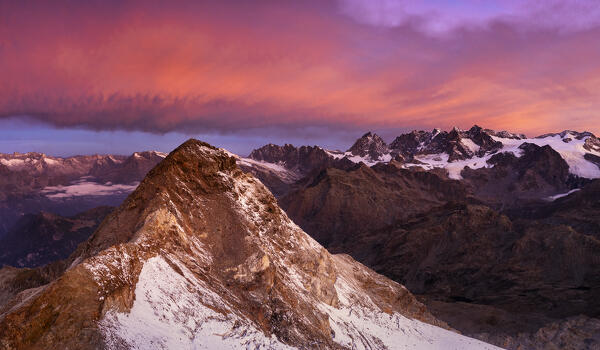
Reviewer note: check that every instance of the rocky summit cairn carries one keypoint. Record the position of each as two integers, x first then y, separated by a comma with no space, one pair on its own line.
201,256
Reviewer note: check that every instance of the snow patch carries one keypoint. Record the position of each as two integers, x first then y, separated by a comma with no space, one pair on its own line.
176,312
358,324
472,146
572,152
561,195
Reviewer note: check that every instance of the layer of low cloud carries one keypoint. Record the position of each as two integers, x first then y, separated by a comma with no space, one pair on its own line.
231,66
85,188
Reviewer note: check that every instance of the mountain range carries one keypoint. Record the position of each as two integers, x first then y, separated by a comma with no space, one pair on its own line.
496,235
482,225
34,182
201,256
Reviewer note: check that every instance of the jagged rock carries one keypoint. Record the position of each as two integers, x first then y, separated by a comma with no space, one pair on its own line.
299,159
370,145
537,174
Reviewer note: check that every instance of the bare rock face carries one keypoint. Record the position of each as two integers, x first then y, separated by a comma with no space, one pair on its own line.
302,159
200,255
538,173
335,205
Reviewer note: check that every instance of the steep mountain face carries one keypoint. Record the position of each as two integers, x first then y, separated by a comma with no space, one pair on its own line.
336,204
39,239
279,167
538,173
201,256
370,146
34,182
456,144
465,258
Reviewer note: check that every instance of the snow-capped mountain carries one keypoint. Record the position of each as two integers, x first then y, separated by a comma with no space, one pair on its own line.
201,256
370,147
454,150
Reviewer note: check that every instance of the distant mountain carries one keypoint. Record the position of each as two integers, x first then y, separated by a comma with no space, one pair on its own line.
201,256
34,182
450,150
480,224
39,239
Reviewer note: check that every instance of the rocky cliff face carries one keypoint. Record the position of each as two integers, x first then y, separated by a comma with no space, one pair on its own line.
538,173
370,146
301,160
334,205
200,255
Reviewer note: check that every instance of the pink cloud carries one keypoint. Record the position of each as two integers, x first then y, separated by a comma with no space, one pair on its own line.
202,66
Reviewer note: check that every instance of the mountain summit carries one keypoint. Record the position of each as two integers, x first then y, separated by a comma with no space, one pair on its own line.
201,256
370,145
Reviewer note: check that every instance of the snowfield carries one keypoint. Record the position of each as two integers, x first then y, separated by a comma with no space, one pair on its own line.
172,311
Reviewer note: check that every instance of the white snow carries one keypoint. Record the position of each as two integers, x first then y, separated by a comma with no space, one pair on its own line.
50,161
176,312
561,195
82,187
358,324
472,146
454,168
572,152
13,163
172,311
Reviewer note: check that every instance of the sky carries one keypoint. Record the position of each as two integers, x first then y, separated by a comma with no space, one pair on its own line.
109,76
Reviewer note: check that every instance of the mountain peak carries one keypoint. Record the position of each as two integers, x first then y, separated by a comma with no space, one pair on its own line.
200,231
369,145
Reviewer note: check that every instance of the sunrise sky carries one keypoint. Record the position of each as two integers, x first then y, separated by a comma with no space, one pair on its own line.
118,76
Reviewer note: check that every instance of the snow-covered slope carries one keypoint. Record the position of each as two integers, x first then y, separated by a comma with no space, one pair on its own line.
567,145
471,148
200,256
